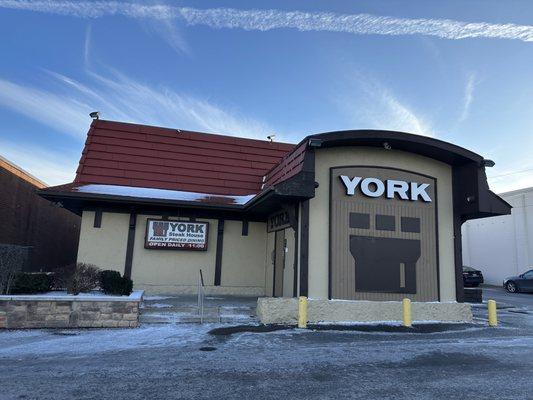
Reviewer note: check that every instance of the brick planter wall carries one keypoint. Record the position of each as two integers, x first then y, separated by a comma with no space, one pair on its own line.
20,312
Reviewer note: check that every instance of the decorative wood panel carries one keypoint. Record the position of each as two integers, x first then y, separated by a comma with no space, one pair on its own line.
393,256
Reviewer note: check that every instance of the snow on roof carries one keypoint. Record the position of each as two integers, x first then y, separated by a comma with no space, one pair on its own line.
163,194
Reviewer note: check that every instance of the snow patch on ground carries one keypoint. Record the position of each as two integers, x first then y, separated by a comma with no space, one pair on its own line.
149,298
83,342
158,305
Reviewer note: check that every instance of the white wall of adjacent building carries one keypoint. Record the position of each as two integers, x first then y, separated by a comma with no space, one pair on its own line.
502,246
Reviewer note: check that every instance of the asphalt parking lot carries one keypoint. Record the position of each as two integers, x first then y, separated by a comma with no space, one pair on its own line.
191,361
500,295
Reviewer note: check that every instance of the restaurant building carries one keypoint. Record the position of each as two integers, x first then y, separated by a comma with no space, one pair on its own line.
359,215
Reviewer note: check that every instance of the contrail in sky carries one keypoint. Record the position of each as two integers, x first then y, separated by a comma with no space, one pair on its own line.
265,20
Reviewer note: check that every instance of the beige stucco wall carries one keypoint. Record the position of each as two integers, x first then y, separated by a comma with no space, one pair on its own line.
175,271
360,156
104,247
243,258
171,270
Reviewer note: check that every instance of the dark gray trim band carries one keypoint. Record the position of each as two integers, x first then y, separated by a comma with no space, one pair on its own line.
304,250
296,234
218,256
129,247
97,219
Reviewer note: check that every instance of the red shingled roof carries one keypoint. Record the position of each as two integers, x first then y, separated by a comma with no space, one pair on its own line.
125,154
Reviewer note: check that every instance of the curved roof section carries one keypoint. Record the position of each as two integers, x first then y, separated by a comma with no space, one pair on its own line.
439,150
423,145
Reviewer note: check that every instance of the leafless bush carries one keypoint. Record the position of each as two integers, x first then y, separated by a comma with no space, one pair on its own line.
85,278
12,258
62,276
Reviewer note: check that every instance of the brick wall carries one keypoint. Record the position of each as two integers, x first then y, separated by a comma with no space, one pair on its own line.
29,220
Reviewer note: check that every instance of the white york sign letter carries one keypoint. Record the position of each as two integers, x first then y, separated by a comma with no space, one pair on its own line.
420,190
400,187
365,187
350,184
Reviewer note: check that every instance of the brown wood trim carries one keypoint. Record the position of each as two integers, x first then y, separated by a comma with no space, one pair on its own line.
97,219
295,267
274,263
458,252
218,256
457,235
129,247
304,250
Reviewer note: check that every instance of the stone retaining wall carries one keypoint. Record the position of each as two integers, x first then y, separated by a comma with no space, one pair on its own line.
285,311
20,312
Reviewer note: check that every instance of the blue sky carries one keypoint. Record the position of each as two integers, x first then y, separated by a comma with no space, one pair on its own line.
455,70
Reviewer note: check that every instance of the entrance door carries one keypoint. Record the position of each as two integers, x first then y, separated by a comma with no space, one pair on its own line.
279,262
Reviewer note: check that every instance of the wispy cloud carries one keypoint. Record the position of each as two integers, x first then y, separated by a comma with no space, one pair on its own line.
54,168
377,107
87,45
119,97
168,30
265,20
471,83
63,113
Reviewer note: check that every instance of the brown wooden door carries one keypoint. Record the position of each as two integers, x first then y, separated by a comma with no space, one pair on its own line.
279,262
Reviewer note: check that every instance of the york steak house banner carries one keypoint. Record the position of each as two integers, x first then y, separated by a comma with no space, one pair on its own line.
177,235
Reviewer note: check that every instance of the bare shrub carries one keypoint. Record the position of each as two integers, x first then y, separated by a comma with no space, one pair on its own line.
62,276
12,258
85,278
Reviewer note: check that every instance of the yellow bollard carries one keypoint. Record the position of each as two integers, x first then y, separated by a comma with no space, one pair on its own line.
302,312
493,317
406,306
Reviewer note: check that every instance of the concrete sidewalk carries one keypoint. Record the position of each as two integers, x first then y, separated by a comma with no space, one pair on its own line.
184,309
